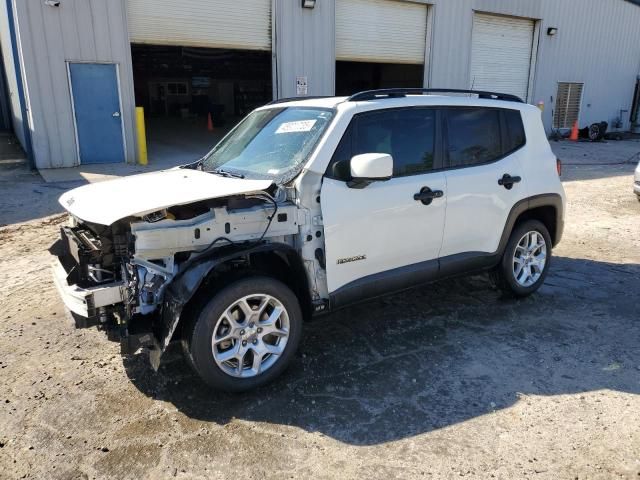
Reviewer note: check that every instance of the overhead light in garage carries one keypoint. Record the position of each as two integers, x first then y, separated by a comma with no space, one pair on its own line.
308,3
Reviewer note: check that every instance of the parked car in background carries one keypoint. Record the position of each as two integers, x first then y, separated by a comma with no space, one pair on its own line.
306,206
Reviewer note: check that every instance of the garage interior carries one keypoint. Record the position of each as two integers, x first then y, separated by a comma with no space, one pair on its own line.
380,44
179,87
352,77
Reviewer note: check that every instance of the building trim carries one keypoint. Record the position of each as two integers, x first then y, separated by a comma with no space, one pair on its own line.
28,146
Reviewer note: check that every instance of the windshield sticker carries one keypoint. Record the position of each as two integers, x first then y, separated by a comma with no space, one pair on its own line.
273,171
298,126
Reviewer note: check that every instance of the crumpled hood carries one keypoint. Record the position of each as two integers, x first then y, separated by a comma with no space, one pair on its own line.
106,202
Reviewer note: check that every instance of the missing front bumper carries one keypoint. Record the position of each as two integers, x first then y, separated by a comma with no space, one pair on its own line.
86,301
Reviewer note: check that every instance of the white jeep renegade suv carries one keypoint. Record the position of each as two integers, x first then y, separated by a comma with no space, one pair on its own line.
304,207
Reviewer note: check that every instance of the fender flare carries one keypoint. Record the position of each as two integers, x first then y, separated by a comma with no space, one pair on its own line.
543,200
187,282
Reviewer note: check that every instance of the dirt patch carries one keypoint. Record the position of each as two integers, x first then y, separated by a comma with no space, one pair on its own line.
447,380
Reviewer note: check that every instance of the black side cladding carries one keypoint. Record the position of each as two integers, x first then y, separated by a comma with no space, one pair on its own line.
185,286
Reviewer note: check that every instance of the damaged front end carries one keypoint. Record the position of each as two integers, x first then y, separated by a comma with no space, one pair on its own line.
100,283
134,277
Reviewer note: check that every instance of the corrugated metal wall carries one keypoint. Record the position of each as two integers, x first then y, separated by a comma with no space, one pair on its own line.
78,30
598,43
303,45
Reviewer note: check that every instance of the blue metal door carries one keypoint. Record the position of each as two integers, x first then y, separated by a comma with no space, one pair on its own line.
96,102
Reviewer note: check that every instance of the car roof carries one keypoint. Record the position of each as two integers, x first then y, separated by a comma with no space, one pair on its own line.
317,102
460,100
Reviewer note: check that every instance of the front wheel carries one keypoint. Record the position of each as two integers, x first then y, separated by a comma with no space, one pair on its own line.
525,261
246,335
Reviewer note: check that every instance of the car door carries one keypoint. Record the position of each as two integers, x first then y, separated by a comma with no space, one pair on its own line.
380,238
484,179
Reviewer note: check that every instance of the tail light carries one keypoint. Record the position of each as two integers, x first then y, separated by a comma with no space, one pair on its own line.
559,166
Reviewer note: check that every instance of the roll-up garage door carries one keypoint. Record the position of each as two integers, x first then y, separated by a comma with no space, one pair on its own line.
244,24
501,54
384,31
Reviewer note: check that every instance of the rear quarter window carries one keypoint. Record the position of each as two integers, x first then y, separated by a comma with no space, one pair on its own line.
515,136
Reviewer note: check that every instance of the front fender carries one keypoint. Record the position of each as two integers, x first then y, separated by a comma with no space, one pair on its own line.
187,282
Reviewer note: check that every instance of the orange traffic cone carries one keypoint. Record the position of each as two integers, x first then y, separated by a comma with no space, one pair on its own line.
209,122
574,132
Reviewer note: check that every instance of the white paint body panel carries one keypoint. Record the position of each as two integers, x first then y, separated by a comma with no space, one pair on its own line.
382,222
477,207
242,24
372,165
107,202
381,31
538,161
166,237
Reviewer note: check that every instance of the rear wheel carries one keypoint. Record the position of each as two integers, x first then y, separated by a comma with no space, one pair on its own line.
246,335
525,261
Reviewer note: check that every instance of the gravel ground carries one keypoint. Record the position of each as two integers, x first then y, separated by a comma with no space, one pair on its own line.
444,381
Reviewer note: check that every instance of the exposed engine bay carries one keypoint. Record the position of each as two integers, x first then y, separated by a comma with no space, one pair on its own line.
128,266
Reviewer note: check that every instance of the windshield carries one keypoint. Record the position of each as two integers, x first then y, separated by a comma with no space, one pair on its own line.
269,143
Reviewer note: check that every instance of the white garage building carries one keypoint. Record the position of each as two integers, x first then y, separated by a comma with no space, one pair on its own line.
76,69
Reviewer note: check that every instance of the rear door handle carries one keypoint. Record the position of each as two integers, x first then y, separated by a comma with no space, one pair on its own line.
507,181
426,195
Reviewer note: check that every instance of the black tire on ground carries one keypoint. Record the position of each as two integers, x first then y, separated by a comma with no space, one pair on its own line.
503,275
197,336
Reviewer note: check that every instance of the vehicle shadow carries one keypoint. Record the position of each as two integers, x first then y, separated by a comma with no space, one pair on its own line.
435,356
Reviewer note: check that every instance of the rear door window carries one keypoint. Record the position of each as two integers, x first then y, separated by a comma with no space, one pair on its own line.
474,136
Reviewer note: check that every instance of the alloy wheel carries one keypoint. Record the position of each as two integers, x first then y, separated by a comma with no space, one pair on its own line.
529,258
250,335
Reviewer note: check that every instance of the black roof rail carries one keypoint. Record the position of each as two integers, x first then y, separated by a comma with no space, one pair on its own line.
297,99
403,92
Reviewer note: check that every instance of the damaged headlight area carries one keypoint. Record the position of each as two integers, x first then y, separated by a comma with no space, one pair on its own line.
129,278
98,281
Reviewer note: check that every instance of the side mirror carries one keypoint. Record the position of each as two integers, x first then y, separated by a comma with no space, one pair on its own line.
370,167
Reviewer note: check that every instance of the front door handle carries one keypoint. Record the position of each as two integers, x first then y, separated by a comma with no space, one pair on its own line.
116,114
426,195
507,181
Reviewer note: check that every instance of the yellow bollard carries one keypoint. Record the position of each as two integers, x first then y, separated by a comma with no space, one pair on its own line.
142,137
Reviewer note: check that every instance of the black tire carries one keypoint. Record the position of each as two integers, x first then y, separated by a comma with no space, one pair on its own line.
197,336
503,276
